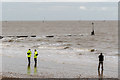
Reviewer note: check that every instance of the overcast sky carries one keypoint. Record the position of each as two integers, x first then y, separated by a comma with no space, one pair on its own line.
60,0
60,10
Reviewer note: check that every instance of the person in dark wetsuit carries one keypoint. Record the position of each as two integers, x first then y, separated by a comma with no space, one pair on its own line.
93,32
101,59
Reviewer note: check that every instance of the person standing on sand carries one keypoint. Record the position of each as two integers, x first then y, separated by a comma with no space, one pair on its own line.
35,57
29,56
101,59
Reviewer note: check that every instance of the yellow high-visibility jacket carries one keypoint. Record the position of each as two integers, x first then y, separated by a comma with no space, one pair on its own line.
35,54
29,53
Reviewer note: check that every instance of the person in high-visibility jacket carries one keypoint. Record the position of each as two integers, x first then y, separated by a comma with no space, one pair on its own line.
35,56
29,55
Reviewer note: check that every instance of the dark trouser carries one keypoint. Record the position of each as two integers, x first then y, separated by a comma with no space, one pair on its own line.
28,60
100,63
35,59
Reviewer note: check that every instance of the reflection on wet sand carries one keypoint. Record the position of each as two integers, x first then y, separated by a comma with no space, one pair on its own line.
35,69
28,69
100,74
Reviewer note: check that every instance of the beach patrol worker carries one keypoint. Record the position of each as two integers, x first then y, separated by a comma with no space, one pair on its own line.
29,55
101,59
35,56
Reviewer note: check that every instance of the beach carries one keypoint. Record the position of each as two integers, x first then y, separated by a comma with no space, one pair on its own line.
66,49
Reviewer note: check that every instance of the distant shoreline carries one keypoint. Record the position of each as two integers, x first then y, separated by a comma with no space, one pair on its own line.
52,20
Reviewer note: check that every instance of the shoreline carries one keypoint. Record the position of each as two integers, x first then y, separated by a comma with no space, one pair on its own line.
67,55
